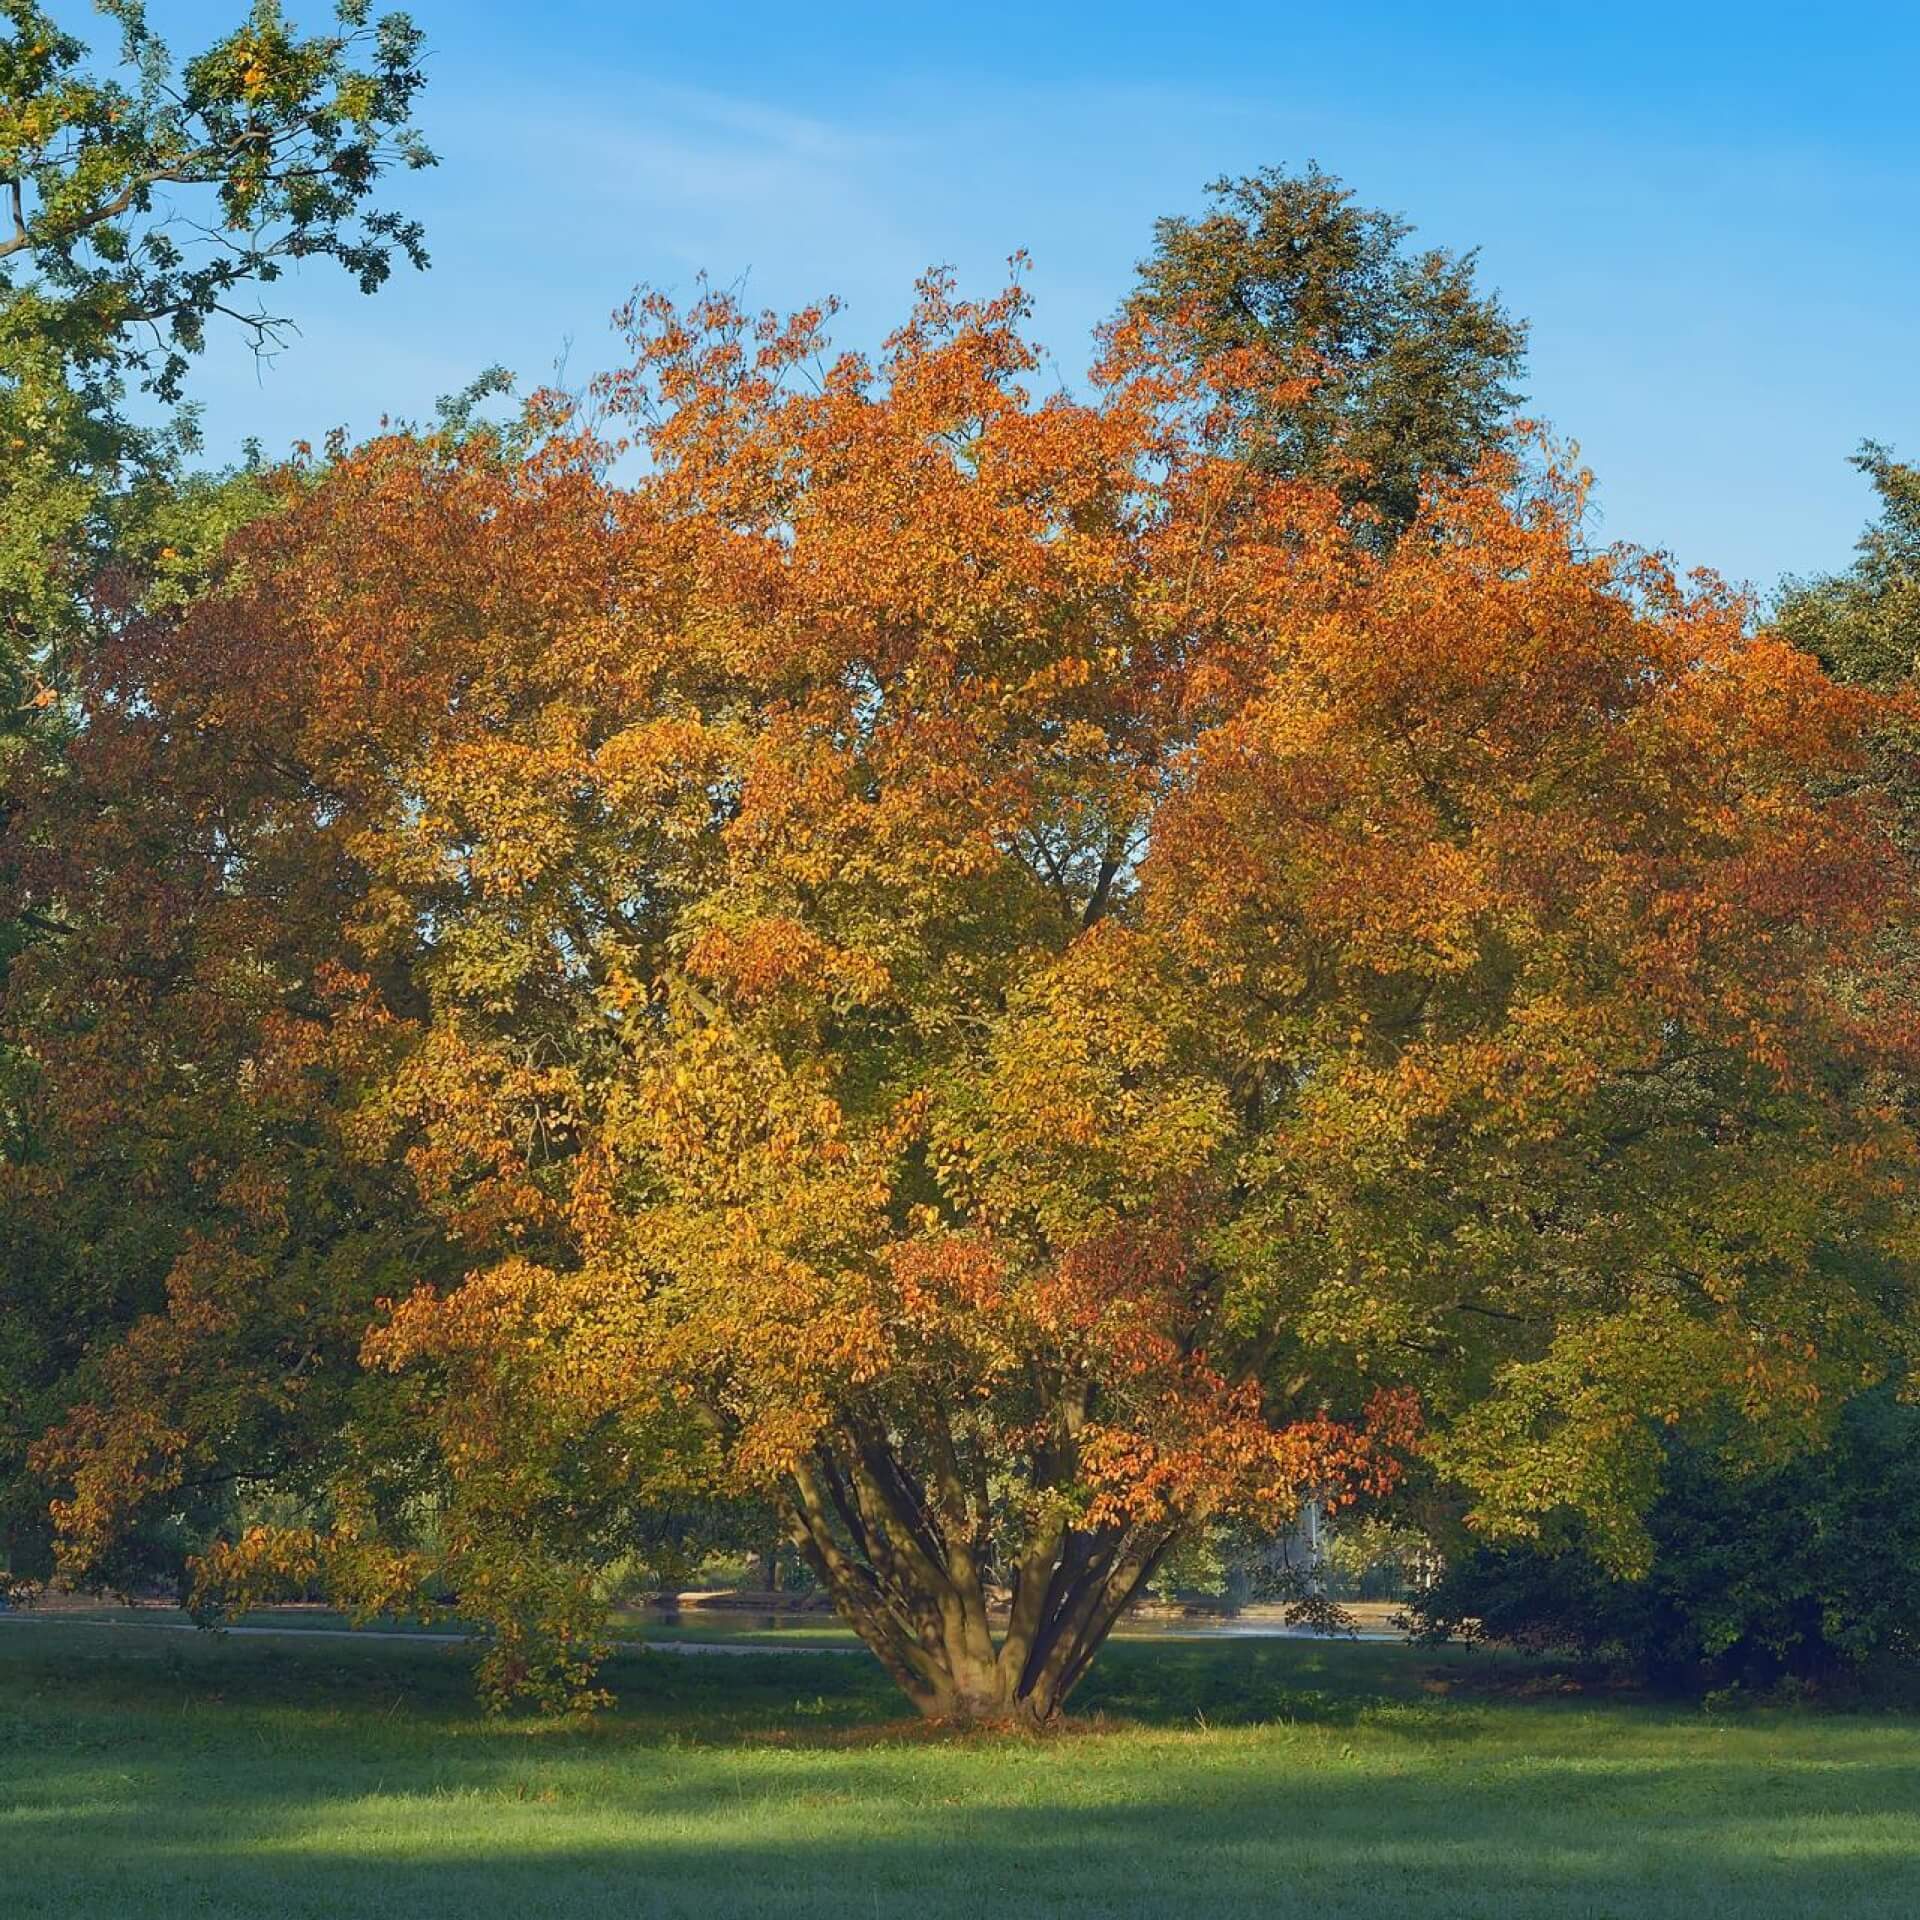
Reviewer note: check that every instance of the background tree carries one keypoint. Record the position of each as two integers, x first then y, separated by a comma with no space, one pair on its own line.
1800,1568
1412,368
999,976
1864,625
138,206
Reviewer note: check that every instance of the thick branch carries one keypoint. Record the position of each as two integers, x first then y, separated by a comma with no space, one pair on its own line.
1034,1571
1103,883
179,173
961,1529
1126,1580
1070,1597
858,1593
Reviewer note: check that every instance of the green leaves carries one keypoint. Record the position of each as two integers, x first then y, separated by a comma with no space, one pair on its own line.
138,206
1864,624
1409,366
285,137
140,203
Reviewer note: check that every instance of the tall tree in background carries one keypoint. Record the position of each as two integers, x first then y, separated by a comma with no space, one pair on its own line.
989,972
1864,624
1411,367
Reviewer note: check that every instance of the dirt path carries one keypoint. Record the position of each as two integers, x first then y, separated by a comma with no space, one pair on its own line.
389,1633
736,1649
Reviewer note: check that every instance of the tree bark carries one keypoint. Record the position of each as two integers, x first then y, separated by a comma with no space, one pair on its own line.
904,1559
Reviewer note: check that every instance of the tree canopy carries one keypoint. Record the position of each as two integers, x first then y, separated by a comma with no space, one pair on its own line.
141,202
986,969
1864,624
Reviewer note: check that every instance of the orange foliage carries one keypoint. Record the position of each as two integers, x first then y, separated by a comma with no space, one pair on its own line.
1001,979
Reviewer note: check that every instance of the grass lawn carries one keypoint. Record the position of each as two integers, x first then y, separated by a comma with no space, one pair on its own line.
145,1773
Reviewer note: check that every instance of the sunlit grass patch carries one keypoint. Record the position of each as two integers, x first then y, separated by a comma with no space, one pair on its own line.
145,1774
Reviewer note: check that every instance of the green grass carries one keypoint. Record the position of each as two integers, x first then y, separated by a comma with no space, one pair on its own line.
146,1773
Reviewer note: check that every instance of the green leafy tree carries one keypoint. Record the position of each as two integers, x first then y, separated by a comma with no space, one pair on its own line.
1803,1568
1412,365
138,205
1864,624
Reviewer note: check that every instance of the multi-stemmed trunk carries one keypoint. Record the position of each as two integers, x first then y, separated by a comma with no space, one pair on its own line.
907,1563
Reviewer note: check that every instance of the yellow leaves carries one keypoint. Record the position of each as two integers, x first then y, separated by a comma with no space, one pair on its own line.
500,813
666,763
722,1122
1084,1103
919,913
263,1564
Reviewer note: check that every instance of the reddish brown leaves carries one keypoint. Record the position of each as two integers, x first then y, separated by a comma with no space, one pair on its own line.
985,944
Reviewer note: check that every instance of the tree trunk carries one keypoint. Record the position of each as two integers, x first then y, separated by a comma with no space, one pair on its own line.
904,1563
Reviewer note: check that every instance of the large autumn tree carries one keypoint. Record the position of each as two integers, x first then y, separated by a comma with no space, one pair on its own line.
991,972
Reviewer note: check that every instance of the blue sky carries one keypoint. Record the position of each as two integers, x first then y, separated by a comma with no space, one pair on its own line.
1710,213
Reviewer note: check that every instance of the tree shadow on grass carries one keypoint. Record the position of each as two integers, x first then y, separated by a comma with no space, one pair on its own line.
160,1777
1177,1828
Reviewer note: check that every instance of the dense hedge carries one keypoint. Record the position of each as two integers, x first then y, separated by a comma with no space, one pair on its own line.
1809,1570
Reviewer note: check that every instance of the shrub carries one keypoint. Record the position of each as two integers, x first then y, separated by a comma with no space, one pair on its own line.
1802,1571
